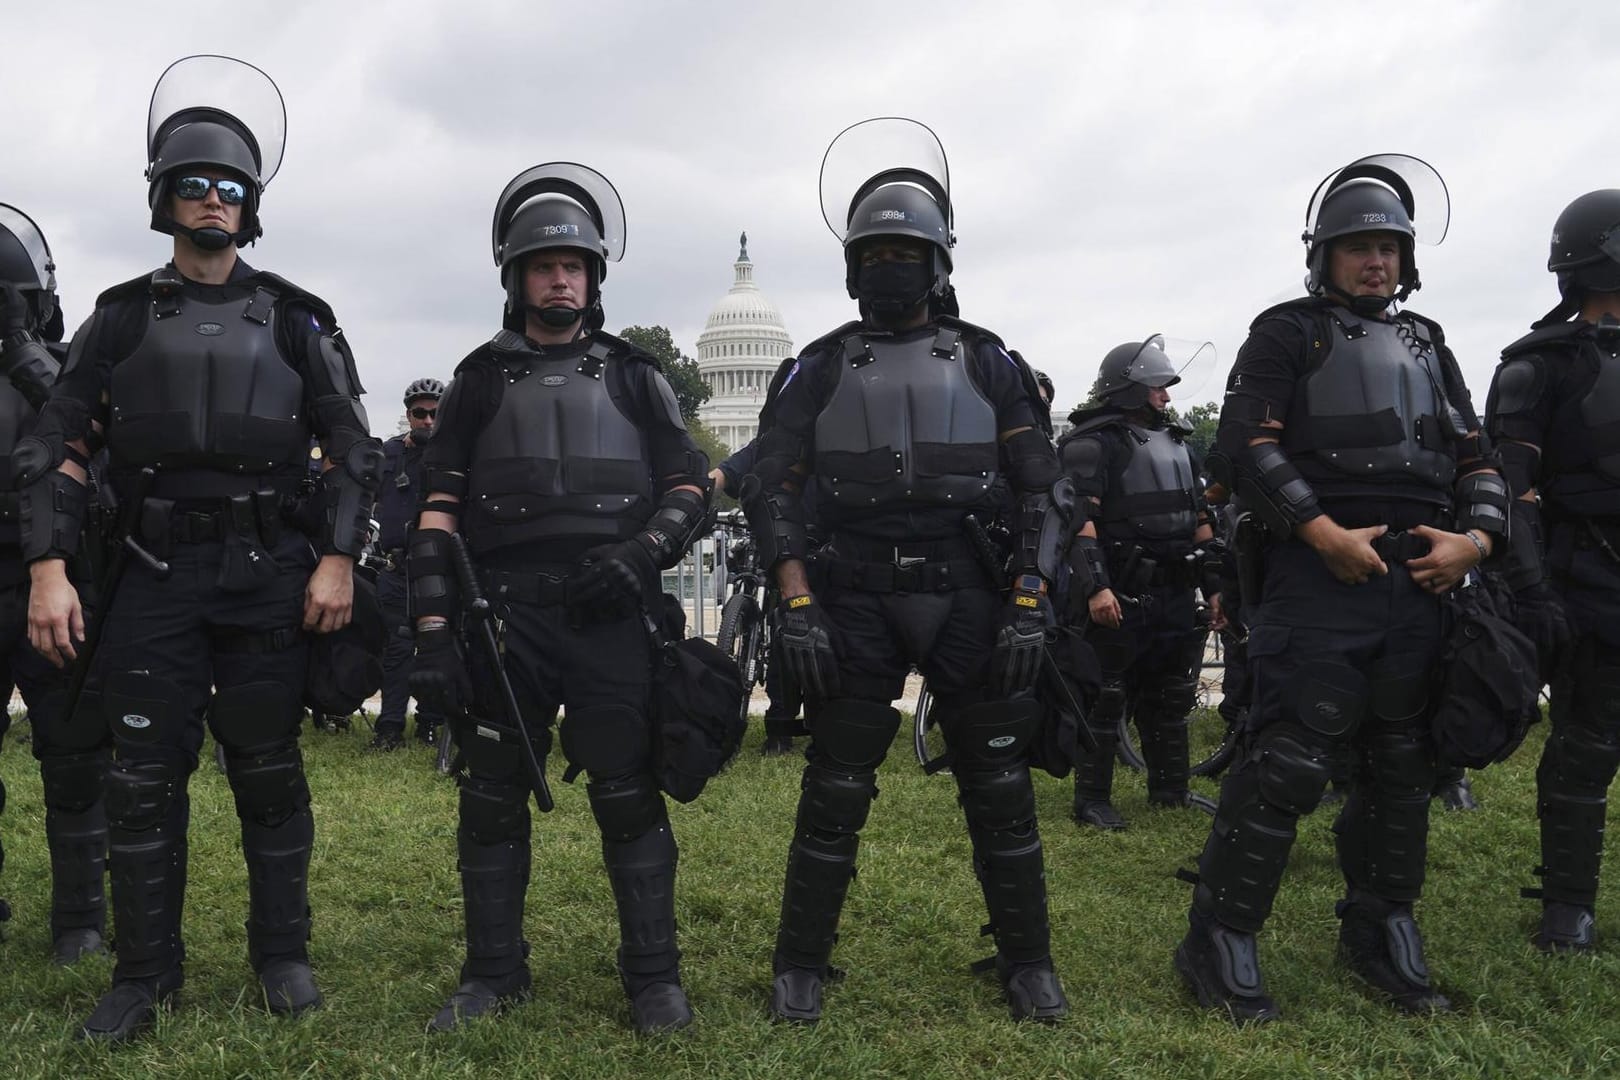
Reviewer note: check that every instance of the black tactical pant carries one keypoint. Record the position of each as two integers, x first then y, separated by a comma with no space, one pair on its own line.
599,674
1583,750
1150,664
71,769
1334,668
398,655
177,652
948,636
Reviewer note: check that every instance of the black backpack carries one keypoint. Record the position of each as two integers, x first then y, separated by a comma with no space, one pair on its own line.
697,706
1487,685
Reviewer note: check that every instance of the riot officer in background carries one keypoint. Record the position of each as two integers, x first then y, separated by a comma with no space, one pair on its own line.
71,766
909,420
398,500
561,454
1147,545
1348,431
214,376
1553,410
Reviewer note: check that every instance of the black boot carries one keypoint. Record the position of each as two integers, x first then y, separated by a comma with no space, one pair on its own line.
1033,991
642,874
1181,800
1093,786
76,834
494,885
1566,928
481,997
129,1009
1455,792
778,734
1221,966
1380,942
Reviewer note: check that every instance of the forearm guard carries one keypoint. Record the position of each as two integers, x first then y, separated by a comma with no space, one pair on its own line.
348,496
1526,546
674,525
1088,568
51,510
1483,504
30,367
432,581
1271,487
777,520
1044,528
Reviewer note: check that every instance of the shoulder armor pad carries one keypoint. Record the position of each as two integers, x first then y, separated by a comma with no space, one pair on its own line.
1096,418
1179,429
1552,335
832,341
507,342
135,288
972,330
1303,306
622,350
1436,333
286,291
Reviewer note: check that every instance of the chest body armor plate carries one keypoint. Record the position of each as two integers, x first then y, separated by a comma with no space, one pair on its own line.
906,426
207,389
1372,411
1581,458
1153,494
559,459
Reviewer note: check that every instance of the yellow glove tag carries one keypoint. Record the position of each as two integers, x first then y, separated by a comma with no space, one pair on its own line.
1027,601
799,601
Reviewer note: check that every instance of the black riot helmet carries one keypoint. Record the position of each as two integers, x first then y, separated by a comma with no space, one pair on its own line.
886,179
215,112
1586,247
1130,370
559,204
1380,193
26,265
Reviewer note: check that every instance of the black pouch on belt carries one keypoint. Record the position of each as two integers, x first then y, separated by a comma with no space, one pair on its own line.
244,564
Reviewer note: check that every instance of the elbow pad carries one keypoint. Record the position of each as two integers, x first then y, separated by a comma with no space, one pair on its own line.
674,525
51,511
427,563
349,493
778,523
1032,463
1274,490
1088,568
1482,503
1044,531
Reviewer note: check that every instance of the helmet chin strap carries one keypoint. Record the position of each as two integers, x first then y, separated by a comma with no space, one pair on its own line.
1366,306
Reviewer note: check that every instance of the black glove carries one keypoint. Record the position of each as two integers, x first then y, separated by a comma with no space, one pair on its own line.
612,578
14,313
1540,616
808,652
439,675
1015,660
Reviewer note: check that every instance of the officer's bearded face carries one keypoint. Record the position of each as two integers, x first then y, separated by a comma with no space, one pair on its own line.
555,279
1366,264
208,212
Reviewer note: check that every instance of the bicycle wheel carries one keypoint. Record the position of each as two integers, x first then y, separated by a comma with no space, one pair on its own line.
925,734
1125,748
1211,736
739,637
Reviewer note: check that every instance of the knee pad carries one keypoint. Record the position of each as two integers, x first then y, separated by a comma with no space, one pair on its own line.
254,717
854,735
72,782
1333,699
1105,716
1167,699
140,791
143,711
997,802
1579,760
626,808
607,740
1399,693
1402,761
990,735
269,786
494,754
836,802
493,812
1292,770
1596,698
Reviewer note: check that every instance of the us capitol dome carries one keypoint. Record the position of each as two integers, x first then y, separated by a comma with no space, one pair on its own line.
743,342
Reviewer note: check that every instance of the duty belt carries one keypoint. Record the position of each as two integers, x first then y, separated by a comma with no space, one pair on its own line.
534,587
909,568
1397,547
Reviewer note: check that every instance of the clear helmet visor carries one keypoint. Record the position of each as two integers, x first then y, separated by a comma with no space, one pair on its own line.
1196,363
578,183
33,244
872,153
1414,181
225,85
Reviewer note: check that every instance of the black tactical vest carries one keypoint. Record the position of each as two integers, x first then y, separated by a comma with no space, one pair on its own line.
906,427
1153,494
1372,413
560,459
1581,455
207,398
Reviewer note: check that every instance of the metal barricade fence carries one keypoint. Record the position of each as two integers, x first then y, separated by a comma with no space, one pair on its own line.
699,581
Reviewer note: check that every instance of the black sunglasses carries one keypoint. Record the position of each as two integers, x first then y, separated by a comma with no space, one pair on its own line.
231,192
420,413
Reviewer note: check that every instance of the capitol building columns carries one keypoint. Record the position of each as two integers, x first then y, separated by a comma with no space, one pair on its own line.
743,342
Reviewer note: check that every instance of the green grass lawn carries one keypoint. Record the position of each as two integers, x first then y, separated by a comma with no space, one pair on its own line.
388,943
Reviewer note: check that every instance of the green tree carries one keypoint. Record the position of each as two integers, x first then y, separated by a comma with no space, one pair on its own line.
681,371
1203,419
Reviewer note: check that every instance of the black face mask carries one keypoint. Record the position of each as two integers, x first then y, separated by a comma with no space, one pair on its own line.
892,289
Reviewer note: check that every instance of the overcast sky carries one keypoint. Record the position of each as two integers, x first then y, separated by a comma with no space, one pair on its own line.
1117,168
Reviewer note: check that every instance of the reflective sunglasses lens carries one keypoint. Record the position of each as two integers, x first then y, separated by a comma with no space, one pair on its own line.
231,192
191,187
424,414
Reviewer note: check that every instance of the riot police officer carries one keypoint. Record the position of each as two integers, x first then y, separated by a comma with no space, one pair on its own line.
909,420
70,765
1552,409
561,454
208,379
1148,544
1348,431
397,504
